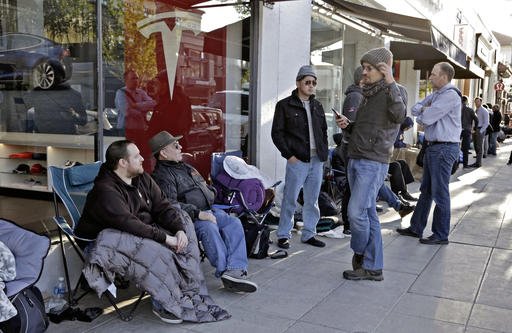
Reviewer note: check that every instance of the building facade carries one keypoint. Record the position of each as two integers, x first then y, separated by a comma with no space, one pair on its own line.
209,70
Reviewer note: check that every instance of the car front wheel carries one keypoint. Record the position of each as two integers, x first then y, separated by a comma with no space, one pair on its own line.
44,76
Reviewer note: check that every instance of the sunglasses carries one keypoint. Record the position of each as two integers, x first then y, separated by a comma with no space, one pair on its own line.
310,82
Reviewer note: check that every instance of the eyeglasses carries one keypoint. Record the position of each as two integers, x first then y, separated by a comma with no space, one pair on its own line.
310,82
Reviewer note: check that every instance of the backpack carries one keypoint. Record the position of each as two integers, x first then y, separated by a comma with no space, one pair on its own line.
257,239
31,317
326,204
252,191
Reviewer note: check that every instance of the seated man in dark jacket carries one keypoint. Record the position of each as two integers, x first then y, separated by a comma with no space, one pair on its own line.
126,198
222,235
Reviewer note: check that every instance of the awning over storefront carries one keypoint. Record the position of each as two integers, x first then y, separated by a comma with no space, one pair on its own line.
504,70
407,26
426,56
430,45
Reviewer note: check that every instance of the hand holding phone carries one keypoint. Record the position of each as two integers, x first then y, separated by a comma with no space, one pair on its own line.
336,113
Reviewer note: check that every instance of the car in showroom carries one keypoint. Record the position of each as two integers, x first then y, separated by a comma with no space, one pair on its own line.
31,61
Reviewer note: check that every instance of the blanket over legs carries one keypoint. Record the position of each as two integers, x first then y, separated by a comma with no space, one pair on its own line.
175,280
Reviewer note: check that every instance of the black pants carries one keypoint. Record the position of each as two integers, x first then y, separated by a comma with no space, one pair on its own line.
466,143
400,176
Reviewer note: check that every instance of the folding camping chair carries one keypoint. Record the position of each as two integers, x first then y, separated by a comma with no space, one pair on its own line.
71,186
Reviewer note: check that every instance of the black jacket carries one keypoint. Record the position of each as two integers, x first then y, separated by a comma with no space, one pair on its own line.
290,132
140,209
496,121
469,119
182,183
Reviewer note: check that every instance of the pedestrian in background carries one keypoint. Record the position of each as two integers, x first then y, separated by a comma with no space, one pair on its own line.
469,121
479,134
496,127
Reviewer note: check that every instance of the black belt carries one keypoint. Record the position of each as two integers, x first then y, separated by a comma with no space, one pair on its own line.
431,143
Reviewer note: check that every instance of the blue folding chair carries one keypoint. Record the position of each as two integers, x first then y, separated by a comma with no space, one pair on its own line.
71,186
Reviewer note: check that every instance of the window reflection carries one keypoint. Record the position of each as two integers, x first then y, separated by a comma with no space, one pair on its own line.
168,65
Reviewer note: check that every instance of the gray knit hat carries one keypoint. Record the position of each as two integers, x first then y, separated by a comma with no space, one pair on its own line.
374,56
306,70
162,139
358,75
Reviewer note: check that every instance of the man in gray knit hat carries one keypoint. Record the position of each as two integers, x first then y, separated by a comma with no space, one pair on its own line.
299,131
370,147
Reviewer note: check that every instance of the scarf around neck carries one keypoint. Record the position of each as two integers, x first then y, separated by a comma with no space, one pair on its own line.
372,89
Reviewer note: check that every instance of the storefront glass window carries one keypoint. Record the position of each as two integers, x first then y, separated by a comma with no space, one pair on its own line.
327,57
180,66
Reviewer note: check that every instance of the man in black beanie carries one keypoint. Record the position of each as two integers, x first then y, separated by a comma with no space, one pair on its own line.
370,147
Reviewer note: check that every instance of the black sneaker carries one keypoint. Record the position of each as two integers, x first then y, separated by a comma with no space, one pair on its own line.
357,261
363,274
407,232
167,317
347,232
405,210
315,242
283,243
236,280
432,240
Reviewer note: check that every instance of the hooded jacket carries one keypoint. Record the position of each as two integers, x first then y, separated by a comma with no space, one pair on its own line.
140,209
290,132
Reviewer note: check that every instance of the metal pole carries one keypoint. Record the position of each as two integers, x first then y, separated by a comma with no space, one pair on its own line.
253,88
101,92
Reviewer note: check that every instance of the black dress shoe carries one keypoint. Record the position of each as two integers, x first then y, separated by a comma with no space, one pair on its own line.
283,243
315,242
407,232
432,240
407,196
474,165
405,210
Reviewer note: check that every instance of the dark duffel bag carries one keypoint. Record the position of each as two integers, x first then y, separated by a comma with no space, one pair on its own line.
31,317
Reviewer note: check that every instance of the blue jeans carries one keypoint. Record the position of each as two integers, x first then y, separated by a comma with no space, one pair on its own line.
387,195
223,242
437,166
307,176
366,177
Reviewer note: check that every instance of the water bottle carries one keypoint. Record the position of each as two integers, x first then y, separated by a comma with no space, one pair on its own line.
58,300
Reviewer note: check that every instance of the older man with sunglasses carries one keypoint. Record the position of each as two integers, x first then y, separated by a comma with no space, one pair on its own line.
221,235
299,131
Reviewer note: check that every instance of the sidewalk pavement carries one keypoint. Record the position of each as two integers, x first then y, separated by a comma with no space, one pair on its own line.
465,286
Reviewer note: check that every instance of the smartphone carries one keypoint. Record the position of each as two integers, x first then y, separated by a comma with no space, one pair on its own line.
336,113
